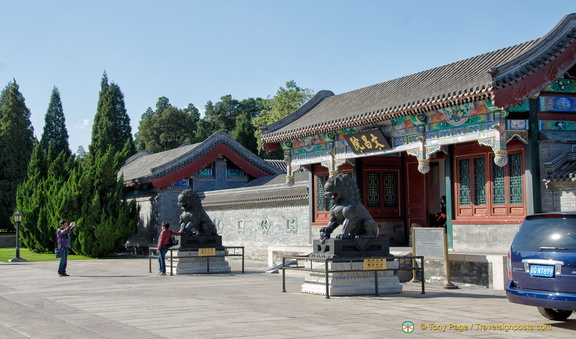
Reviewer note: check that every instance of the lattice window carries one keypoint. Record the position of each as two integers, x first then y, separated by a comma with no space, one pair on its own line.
516,192
499,185
464,171
372,189
485,189
390,190
479,181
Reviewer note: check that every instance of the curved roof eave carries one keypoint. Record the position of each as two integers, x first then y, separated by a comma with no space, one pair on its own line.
507,76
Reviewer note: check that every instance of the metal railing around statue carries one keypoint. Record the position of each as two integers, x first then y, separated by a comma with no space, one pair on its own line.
230,251
375,264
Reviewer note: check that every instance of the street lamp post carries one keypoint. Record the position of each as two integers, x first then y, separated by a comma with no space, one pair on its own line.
17,220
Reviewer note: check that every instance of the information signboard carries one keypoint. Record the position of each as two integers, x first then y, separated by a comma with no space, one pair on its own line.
429,242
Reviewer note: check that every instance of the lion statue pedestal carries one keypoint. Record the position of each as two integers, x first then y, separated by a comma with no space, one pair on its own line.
199,248
190,255
359,282
359,239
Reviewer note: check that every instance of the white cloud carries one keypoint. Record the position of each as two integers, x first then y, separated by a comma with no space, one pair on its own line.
85,124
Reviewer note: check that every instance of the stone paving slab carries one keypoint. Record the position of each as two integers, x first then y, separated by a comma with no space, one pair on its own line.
118,298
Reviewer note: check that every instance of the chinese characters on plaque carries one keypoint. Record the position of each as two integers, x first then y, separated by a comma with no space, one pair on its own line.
367,141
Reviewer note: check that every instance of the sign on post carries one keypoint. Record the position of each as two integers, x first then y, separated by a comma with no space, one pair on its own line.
430,242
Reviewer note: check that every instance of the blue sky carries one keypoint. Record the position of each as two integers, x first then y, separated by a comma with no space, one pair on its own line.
195,51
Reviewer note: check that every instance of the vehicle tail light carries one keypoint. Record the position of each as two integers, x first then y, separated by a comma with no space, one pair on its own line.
509,265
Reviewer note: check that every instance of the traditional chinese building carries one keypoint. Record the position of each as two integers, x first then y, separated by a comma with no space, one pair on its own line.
477,131
155,180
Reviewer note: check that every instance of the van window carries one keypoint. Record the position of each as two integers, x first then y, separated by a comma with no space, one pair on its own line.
546,233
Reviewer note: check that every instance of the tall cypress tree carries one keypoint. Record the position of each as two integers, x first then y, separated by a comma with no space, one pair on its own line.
55,131
30,199
38,197
106,218
111,123
16,145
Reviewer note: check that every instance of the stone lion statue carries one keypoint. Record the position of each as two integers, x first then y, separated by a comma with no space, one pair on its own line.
347,210
194,220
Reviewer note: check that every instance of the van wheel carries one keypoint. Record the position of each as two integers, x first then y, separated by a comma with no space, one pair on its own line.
554,314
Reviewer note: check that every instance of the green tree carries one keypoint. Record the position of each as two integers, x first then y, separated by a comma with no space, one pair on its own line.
227,116
286,101
93,195
55,131
30,200
81,152
203,130
222,115
106,218
111,122
244,134
166,128
16,146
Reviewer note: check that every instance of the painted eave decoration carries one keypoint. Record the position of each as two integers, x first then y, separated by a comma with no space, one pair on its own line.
164,168
507,77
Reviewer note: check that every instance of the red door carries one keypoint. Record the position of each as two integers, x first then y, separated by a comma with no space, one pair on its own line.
416,189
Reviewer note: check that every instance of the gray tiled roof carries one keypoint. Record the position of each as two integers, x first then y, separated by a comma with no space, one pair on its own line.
145,166
270,189
561,168
459,82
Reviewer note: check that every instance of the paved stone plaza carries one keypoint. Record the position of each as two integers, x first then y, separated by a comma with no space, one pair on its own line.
119,299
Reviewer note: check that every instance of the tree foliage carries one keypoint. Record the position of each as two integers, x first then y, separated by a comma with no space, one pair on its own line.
230,115
244,134
166,128
16,146
55,131
87,190
106,217
286,101
111,122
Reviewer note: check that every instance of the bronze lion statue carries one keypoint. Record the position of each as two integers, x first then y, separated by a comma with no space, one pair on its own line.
194,220
347,210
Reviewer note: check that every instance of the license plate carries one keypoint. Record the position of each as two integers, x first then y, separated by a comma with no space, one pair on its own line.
542,271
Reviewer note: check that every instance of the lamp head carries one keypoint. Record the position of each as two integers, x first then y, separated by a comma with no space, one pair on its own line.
18,216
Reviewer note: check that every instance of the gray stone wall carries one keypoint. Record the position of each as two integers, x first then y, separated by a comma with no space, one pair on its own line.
147,233
7,240
558,196
258,227
483,238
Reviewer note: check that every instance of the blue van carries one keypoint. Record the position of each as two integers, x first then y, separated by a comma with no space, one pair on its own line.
542,264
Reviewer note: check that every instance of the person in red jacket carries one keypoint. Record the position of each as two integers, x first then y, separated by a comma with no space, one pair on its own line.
164,241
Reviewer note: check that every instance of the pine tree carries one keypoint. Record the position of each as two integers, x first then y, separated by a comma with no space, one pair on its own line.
39,197
244,134
108,219
166,128
111,122
30,198
55,131
16,146
286,101
105,218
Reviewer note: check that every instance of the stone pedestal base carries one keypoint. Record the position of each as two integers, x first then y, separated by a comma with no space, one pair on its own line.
189,262
351,283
